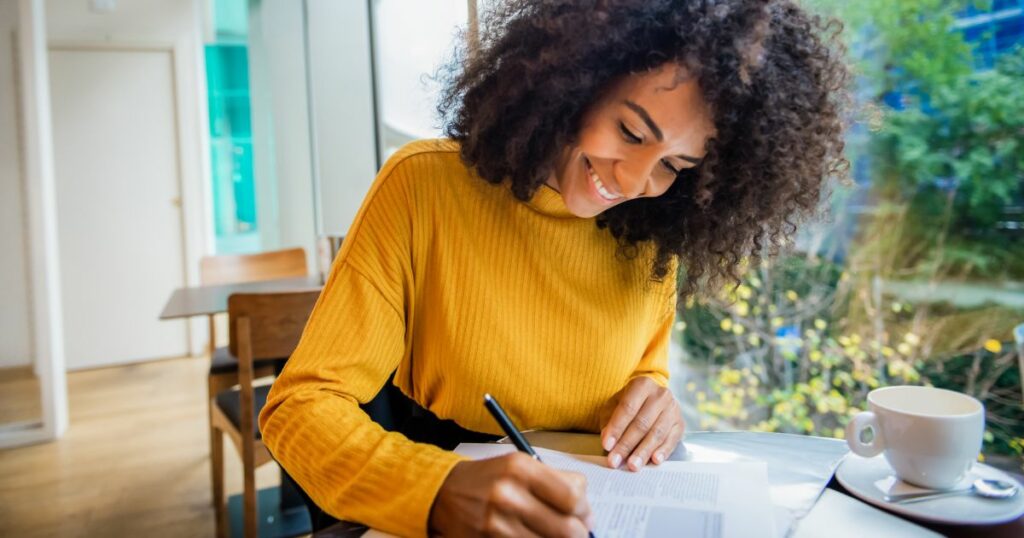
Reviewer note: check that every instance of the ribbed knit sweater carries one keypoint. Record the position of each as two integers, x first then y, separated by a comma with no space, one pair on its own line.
462,289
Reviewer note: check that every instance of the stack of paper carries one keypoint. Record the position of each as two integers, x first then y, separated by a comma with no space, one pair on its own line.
676,498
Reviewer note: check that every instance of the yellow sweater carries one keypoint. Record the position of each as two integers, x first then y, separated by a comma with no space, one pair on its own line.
464,290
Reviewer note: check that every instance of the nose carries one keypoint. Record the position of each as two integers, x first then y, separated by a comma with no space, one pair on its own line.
634,175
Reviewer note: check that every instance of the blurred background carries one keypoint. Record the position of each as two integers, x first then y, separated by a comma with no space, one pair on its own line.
139,136
916,273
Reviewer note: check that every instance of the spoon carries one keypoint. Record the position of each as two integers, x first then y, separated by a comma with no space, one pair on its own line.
982,487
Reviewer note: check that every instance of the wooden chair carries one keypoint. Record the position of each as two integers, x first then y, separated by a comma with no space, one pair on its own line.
263,326
223,373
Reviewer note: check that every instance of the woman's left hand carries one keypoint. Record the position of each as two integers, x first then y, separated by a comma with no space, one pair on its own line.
645,424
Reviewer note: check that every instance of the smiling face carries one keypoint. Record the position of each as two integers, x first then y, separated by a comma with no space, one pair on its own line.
634,141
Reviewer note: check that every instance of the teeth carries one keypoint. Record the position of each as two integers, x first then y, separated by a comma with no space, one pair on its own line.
601,189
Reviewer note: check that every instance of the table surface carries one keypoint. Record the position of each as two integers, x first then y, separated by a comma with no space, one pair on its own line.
835,507
202,300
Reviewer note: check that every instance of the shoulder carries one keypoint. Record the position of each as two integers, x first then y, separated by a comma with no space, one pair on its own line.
424,157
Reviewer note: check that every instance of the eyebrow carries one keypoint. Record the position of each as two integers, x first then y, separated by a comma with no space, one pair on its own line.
640,111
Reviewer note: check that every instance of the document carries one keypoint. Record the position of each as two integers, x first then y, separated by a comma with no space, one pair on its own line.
676,498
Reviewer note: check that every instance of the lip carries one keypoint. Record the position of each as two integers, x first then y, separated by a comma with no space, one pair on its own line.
593,188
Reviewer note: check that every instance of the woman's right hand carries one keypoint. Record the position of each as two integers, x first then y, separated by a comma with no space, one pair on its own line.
512,495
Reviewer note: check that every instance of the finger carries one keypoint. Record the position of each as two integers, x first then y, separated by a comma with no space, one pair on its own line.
518,502
655,437
637,429
508,499
629,405
582,510
540,518
663,452
565,492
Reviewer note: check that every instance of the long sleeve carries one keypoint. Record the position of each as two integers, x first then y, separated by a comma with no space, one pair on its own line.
654,361
460,289
356,336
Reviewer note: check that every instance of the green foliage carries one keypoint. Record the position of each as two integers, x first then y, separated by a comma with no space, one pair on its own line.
953,148
780,352
970,132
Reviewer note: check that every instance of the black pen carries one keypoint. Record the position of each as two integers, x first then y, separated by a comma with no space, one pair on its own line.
511,431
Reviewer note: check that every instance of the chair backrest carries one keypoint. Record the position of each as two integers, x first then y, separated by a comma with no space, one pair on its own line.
253,267
274,321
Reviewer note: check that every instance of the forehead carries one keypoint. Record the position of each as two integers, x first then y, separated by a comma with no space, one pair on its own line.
672,99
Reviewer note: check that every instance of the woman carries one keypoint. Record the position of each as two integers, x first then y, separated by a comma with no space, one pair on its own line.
594,147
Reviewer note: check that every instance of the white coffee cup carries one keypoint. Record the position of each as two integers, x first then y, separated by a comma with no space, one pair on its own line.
930,436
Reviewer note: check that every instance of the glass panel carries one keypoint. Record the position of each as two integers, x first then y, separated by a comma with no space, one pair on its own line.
412,40
20,398
234,197
918,277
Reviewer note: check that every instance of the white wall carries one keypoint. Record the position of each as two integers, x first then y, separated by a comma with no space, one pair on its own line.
280,126
179,24
343,121
15,310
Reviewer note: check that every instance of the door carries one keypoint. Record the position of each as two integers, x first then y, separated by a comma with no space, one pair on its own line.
120,229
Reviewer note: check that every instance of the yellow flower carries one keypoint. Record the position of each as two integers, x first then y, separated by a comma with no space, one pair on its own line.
912,339
776,322
791,295
754,340
744,291
820,324
726,324
738,329
815,356
897,307
742,309
993,345
904,348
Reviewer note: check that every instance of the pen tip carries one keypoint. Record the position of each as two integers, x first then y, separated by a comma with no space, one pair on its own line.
487,396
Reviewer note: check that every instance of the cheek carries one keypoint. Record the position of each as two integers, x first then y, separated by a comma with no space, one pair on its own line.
596,141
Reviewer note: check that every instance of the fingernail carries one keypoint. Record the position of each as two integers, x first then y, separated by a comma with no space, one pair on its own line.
658,457
616,460
634,462
609,443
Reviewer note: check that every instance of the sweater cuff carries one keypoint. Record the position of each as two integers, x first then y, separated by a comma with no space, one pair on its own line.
436,465
658,378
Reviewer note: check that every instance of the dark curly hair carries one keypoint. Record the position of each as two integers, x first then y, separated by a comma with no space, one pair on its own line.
771,73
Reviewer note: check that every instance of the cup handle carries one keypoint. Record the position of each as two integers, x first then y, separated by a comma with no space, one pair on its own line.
860,422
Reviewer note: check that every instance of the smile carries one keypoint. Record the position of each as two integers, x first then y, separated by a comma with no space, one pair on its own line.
598,184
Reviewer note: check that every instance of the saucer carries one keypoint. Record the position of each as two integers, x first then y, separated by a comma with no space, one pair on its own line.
864,478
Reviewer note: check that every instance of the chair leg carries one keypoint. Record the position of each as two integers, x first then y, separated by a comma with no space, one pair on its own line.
217,466
251,522
216,447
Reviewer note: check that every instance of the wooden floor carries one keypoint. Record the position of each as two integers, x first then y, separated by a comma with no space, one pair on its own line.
19,395
134,462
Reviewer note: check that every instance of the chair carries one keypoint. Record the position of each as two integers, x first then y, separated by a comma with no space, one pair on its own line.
235,269
263,326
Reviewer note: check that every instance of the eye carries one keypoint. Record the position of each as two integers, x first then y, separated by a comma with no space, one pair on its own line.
675,171
630,136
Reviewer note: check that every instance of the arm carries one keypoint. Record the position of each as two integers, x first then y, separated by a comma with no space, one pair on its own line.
354,339
644,422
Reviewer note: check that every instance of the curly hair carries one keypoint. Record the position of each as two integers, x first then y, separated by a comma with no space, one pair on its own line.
771,73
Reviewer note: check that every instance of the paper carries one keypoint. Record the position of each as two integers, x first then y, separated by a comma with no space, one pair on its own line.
799,466
693,499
